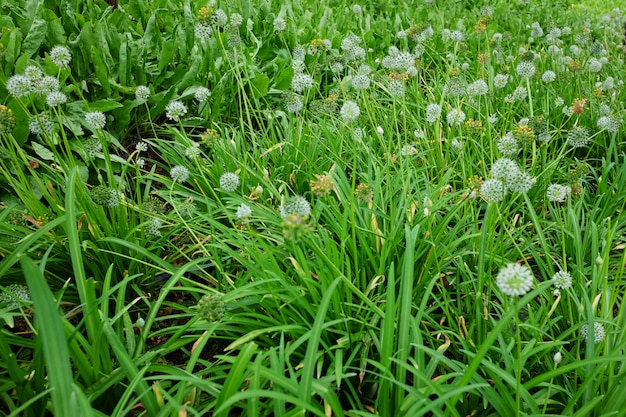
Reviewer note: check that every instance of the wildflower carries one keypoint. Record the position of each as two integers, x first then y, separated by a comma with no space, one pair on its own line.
536,30
105,196
361,82
604,109
455,117
179,173
193,151
211,307
297,206
243,212
55,98
202,94
455,87
558,102
142,93
478,88
153,227
13,295
609,123
93,146
578,136
141,146
395,88
522,183
408,150
19,86
60,56
493,118
279,24
203,31
364,192
322,185
236,19
350,111
558,193
175,110
514,279
548,76
45,85
380,130
95,120
508,145
229,181
301,82
505,169
433,113
220,18
597,333
525,69
500,80
293,104
594,65
41,124
562,280
493,190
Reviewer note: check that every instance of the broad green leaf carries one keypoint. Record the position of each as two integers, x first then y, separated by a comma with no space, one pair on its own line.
36,36
41,151
260,85
102,72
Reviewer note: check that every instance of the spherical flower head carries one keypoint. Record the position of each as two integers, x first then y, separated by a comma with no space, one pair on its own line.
175,110
514,279
243,212
95,120
433,113
548,76
41,124
293,103
297,205
350,111
522,183
562,280
236,20
279,24
301,82
558,193
395,88
60,56
229,181
361,82
45,85
105,196
508,145
202,94
478,88
505,169
13,295
211,307
193,151
455,117
203,31
153,227
55,98
142,93
19,86
493,190
141,146
609,123
597,334
500,80
578,136
179,173
594,65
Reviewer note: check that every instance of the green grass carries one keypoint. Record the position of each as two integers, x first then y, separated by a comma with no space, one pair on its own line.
266,251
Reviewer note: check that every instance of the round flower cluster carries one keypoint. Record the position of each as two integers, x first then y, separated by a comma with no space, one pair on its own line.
60,56
153,227
500,80
179,173
19,86
525,69
211,307
455,117
350,111
142,93
433,112
507,145
578,136
13,295
301,82
175,110
492,190
55,98
597,334
202,94
395,88
609,123
548,76
203,31
594,65
514,279
519,94
397,60
558,193
105,196
562,280
243,212
229,181
279,24
297,206
95,120
477,88
41,124
293,104
361,82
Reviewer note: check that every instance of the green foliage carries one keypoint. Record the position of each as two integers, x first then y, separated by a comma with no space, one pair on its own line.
303,208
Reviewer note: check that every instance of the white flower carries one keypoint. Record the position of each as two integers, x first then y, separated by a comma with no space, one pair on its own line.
562,280
243,212
179,173
297,205
229,181
175,110
202,94
557,358
95,120
514,279
142,93
350,111
60,56
597,334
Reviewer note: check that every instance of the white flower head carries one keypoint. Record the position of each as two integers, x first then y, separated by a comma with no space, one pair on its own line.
514,279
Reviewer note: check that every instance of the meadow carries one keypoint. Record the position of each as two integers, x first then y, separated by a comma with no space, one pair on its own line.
259,208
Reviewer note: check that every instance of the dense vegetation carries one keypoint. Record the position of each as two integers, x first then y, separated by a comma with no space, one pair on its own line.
312,208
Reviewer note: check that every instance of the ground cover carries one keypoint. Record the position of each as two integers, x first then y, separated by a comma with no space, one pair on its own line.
312,208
